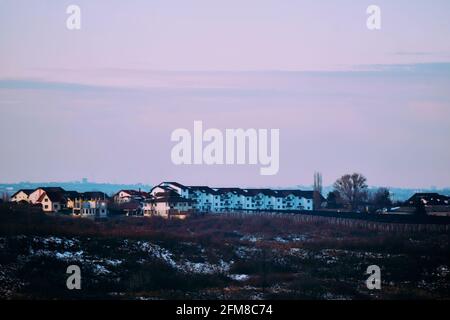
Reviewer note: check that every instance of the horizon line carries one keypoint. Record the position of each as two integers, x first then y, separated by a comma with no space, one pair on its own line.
151,184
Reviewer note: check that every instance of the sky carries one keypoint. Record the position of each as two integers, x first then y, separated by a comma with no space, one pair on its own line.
101,102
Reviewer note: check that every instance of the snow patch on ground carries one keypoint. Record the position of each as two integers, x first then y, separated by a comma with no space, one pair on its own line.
100,270
56,241
184,266
239,277
158,252
204,267
113,262
70,256
246,252
251,238
281,240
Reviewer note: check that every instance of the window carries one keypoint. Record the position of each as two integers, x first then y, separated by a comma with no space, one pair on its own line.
46,200
46,206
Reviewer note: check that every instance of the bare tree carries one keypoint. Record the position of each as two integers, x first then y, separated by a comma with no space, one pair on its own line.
318,182
352,188
5,197
381,198
317,190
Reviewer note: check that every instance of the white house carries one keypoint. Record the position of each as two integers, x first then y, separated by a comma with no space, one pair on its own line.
159,190
124,196
91,205
172,207
37,193
21,195
51,201
182,190
167,203
90,208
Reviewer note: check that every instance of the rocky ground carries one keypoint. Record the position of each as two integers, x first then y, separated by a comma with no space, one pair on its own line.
242,266
215,257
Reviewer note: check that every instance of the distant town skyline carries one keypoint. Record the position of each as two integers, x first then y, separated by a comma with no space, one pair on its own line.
101,102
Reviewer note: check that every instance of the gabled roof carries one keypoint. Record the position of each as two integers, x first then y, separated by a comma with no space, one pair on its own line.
162,187
51,189
53,196
166,193
134,192
205,189
72,194
254,192
237,191
432,197
176,184
26,191
298,193
93,195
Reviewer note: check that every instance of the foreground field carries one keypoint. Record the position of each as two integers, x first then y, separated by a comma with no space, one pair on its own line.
215,257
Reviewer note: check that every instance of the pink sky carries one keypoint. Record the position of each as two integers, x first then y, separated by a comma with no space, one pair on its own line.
101,102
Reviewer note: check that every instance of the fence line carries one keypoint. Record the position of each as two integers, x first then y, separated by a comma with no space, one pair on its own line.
371,222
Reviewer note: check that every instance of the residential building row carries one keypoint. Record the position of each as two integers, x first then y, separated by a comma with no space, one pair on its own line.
56,199
169,200
173,196
174,200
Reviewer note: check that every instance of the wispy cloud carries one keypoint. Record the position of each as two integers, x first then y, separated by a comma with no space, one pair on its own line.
435,68
422,53
243,82
29,84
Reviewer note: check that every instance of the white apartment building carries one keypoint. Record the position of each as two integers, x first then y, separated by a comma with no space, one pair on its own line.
206,199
